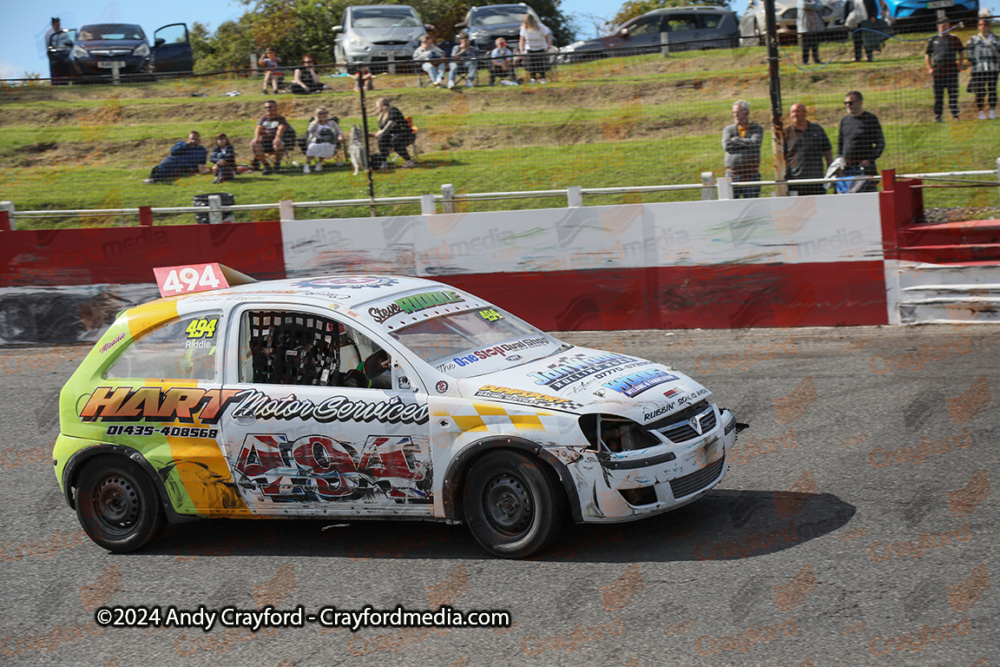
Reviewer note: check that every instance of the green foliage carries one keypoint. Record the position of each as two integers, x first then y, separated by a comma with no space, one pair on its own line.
633,8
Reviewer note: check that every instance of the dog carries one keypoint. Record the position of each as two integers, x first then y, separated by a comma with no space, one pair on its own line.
356,150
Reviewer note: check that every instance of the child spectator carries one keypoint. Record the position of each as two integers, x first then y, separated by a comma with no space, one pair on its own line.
223,159
502,64
272,71
322,136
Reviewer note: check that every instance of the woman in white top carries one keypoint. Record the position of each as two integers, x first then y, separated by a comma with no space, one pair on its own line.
324,135
536,40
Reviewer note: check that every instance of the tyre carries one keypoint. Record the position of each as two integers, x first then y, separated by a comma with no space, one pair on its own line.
117,504
512,505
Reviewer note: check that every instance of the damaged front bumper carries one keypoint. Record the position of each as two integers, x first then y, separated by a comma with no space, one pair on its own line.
624,486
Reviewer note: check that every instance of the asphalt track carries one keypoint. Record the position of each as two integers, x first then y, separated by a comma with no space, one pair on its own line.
857,526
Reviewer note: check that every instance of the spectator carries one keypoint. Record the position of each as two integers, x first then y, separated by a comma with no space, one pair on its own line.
364,75
806,147
57,37
535,42
394,132
810,24
322,138
306,80
186,157
464,58
742,141
268,138
871,30
942,51
223,159
431,59
502,64
272,71
860,142
984,54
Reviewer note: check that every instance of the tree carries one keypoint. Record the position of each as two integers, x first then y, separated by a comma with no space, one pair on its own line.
633,8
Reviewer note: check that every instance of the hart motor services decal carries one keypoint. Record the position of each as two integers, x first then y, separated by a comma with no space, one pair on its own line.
183,404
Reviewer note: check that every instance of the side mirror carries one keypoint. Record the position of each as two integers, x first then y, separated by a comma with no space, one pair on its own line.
159,41
337,28
623,33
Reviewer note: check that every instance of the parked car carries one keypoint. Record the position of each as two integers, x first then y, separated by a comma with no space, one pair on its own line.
375,35
353,397
686,28
753,24
98,47
924,12
486,24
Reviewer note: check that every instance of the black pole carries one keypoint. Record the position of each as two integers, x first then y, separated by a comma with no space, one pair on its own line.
777,128
364,128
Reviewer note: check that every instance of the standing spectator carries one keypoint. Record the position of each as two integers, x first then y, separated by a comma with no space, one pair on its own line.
306,80
860,142
394,132
223,159
742,141
809,22
872,29
57,37
268,138
186,157
535,42
431,59
322,138
464,58
502,64
272,71
806,147
984,54
942,52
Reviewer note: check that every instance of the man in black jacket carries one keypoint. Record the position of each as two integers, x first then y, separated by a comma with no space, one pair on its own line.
860,141
942,51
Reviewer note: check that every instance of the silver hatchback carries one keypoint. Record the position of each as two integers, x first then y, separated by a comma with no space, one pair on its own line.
377,36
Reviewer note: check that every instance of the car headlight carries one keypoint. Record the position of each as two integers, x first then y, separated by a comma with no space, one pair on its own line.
141,50
79,52
790,14
479,35
611,433
356,42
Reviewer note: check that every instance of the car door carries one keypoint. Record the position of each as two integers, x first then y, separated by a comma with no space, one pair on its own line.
58,51
643,35
172,49
682,29
315,428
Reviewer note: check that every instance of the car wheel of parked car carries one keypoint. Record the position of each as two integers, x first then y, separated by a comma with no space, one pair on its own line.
512,506
117,504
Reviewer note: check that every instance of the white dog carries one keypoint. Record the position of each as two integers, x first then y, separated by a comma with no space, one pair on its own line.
356,150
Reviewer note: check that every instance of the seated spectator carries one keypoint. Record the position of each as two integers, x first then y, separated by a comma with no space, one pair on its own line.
364,75
431,59
394,133
502,64
223,159
269,138
464,58
306,79
322,137
272,71
186,157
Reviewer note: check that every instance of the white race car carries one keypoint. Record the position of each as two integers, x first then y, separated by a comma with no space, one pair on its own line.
355,397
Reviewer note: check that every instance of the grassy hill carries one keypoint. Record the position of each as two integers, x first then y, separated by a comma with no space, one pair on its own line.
636,121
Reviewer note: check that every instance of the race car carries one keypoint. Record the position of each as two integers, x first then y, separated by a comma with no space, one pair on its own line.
353,397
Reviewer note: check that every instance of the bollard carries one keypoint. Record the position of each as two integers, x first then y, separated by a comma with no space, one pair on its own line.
286,210
7,216
574,197
725,187
447,198
708,183
427,206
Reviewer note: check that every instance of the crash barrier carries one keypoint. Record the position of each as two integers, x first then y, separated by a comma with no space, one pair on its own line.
785,262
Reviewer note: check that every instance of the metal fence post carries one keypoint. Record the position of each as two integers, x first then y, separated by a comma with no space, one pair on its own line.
114,72
253,65
708,180
7,211
447,198
665,43
214,209
998,173
574,196
725,187
286,209
427,206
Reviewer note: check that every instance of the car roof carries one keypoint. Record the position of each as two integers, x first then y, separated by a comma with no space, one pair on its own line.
708,10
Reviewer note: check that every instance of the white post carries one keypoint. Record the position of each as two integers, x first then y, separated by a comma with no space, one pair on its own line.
665,43
286,210
427,206
114,72
447,198
214,209
9,207
574,196
392,64
725,187
253,65
998,180
708,185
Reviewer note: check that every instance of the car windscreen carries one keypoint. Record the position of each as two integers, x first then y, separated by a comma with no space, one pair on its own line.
487,16
111,31
385,17
454,341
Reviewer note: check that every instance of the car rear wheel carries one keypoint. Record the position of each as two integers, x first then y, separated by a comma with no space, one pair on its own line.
117,504
512,505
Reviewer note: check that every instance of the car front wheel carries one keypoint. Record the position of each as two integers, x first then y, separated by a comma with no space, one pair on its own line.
512,505
117,504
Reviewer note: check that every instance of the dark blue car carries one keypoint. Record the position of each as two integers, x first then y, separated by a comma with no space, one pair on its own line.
101,48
